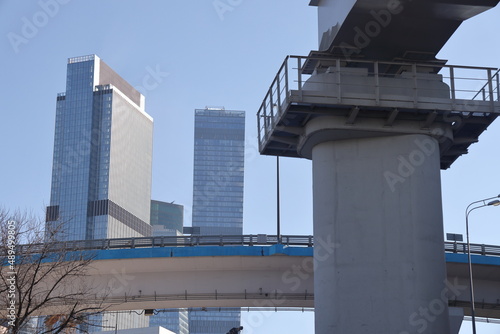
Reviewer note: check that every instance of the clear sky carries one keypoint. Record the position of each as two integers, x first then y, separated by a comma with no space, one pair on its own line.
185,55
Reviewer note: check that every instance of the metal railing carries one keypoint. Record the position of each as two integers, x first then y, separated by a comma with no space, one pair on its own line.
481,249
221,240
273,297
465,83
170,241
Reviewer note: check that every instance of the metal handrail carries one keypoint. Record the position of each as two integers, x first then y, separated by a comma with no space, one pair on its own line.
169,241
490,81
273,297
481,249
217,240
292,76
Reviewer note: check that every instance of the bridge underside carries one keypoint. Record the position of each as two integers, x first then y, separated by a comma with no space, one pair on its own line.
486,277
284,141
392,30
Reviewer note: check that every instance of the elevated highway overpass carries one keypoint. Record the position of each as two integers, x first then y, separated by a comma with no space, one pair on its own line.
249,271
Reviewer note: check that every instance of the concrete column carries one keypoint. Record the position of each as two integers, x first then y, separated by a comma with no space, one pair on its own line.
379,201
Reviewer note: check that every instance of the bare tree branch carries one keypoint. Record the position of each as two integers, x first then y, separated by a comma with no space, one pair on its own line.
36,275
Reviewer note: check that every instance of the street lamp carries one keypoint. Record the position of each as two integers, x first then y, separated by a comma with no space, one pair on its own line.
492,202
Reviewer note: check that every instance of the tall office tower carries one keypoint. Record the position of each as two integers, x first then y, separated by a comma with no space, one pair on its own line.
219,151
101,174
167,219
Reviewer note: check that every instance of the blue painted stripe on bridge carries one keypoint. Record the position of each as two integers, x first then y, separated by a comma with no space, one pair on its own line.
135,253
273,250
476,259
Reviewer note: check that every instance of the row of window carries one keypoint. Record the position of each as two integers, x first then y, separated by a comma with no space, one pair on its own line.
218,208
218,172
238,161
217,186
218,216
203,221
207,146
215,169
199,118
210,192
211,200
200,154
225,164
219,113
217,143
220,180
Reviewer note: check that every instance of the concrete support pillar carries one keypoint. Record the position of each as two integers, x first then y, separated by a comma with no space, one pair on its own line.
379,201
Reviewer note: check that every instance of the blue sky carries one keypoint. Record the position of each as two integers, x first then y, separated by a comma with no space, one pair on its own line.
201,58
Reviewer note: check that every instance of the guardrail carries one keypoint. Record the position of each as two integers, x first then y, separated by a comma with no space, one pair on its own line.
466,83
218,240
273,297
461,247
171,241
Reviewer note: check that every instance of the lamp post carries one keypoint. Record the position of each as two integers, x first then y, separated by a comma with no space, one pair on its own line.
468,210
278,219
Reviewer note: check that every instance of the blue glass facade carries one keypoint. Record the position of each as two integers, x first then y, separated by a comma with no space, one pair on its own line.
219,152
218,178
73,128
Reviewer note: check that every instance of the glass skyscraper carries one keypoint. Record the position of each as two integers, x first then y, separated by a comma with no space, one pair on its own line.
219,152
101,174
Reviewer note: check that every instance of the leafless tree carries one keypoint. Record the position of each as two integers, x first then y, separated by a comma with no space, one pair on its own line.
39,274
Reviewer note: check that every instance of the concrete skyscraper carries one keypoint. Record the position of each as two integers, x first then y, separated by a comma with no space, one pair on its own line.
101,174
219,152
